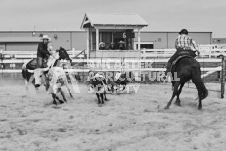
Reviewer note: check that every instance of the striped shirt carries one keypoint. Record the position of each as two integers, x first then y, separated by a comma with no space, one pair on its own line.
185,42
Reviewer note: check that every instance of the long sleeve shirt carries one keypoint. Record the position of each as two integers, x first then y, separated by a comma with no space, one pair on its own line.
185,42
42,50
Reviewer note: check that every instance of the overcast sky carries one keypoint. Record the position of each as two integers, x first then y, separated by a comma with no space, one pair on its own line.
161,15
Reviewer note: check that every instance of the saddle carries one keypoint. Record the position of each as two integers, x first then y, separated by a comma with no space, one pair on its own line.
32,65
181,55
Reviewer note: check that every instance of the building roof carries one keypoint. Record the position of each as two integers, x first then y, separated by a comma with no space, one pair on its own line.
20,39
96,19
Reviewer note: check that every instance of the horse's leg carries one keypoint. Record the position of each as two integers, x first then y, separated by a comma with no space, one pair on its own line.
176,85
173,83
200,103
177,102
54,98
202,91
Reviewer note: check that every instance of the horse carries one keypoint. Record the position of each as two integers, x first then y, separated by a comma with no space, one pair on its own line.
187,68
56,78
29,67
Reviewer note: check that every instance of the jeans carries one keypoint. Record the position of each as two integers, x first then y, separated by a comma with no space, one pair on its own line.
39,62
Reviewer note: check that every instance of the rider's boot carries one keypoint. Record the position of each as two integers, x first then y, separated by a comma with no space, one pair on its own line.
168,68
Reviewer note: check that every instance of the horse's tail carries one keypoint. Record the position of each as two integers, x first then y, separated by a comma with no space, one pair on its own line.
202,91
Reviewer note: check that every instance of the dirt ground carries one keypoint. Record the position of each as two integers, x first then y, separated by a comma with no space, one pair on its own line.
133,121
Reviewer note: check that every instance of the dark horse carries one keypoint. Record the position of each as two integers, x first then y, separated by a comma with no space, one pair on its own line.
187,68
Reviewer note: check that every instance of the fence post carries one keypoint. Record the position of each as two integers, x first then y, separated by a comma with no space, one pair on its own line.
222,76
73,52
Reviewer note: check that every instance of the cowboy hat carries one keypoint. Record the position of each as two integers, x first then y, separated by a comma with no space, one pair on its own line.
45,37
121,42
101,43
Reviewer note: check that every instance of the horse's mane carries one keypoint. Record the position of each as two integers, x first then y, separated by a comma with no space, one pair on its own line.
63,54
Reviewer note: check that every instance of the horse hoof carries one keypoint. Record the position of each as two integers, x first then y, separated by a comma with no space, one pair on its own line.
178,104
200,108
55,103
71,95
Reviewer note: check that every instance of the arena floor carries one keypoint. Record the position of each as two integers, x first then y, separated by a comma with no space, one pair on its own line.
127,122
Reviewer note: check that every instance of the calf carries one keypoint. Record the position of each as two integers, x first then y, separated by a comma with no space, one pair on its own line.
122,79
98,84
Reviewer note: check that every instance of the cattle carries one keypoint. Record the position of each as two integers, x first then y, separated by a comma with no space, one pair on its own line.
28,73
56,79
29,67
122,79
98,85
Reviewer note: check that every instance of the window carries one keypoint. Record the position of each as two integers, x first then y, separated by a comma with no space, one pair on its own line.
144,45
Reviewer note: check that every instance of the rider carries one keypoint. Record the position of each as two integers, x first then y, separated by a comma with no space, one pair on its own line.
42,52
183,44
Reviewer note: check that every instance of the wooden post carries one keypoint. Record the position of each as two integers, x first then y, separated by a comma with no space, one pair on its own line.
112,37
97,39
138,39
91,39
222,76
87,43
73,52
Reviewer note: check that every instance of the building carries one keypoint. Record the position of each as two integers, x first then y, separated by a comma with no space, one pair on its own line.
115,30
27,40
219,40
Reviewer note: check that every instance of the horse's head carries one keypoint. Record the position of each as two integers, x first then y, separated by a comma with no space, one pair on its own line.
63,54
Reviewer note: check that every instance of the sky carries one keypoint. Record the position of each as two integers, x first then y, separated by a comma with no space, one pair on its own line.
161,15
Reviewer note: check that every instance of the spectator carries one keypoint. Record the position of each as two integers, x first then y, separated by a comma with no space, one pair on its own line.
112,46
102,46
121,45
